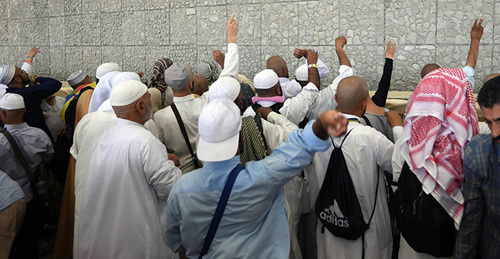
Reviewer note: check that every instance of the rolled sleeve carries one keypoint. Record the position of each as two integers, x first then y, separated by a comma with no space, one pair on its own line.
471,75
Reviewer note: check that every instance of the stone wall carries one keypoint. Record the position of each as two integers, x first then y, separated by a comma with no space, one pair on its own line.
81,34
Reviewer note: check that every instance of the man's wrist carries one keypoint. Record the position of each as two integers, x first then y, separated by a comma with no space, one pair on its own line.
312,65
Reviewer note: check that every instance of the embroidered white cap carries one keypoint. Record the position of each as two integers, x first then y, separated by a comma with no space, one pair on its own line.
219,127
265,79
7,73
224,87
302,73
76,78
127,92
12,101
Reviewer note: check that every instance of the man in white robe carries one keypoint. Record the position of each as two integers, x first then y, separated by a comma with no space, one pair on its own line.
127,184
367,153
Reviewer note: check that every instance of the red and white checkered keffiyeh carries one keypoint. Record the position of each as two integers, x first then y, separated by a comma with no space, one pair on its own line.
441,119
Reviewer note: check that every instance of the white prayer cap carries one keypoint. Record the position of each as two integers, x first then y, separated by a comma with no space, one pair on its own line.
220,126
224,87
7,73
265,79
124,76
106,68
76,78
12,101
302,73
178,75
127,92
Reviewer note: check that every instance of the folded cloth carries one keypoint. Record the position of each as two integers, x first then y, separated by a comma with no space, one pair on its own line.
441,119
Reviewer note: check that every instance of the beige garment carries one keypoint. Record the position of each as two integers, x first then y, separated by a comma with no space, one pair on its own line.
244,80
10,222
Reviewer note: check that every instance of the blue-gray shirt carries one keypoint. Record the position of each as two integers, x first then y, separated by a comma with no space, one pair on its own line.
10,191
254,223
35,146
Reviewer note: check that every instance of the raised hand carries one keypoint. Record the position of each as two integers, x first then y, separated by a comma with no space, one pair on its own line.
390,50
232,30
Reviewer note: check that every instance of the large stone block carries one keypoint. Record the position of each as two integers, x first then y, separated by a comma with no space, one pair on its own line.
249,18
134,59
57,59
280,23
4,32
318,23
157,28
408,63
82,30
211,25
91,59
367,61
73,57
410,22
134,33
113,54
211,2
56,7
56,31
111,29
133,5
110,5
183,26
250,56
362,22
454,21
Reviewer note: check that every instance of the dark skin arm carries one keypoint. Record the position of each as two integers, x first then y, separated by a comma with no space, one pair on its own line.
312,58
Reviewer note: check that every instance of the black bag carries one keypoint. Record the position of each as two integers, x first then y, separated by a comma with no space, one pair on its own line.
337,206
423,222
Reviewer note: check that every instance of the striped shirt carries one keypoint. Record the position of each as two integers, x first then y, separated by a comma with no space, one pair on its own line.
10,191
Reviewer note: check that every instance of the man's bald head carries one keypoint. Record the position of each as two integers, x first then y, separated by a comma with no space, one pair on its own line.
351,95
200,84
278,64
428,68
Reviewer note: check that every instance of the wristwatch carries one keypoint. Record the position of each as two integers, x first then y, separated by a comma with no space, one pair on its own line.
312,65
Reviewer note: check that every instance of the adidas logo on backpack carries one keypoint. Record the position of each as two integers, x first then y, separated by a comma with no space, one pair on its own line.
334,216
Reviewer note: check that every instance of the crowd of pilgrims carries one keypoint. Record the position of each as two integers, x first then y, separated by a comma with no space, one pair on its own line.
144,162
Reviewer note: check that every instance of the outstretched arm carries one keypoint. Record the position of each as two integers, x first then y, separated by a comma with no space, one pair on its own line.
312,59
231,60
340,42
475,36
380,96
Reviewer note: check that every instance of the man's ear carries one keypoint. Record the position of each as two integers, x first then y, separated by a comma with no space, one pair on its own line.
278,90
140,106
335,96
3,115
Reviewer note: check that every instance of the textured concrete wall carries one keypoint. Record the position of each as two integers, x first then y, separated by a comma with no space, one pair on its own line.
81,34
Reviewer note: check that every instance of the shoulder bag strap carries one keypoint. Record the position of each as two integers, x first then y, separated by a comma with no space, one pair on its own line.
19,154
221,206
184,133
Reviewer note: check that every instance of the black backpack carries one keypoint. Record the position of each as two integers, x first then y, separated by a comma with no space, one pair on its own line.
337,205
423,222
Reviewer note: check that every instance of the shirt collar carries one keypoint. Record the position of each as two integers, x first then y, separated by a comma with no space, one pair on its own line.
186,98
11,127
350,116
120,121
232,162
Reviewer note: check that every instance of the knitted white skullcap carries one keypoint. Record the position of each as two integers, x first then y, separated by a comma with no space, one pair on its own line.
265,79
7,73
224,87
178,75
76,78
106,68
302,73
12,101
127,92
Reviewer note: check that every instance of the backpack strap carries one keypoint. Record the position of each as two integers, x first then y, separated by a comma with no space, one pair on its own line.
184,134
258,121
221,206
368,123
19,154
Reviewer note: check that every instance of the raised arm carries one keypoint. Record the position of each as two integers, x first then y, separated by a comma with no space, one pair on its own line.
380,96
340,42
312,59
475,36
323,70
231,60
